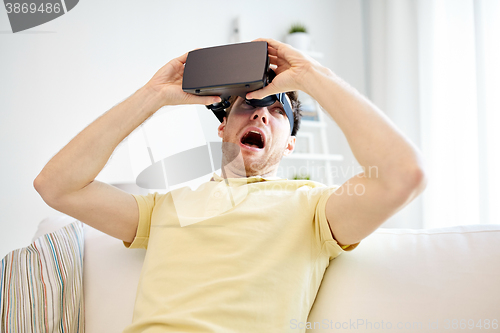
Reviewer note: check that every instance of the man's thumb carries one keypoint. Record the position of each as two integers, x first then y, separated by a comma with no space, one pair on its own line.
205,100
261,93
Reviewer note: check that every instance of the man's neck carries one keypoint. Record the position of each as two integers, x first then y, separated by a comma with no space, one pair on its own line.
228,172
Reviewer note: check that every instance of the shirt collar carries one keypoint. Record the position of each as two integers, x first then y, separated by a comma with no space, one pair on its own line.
244,180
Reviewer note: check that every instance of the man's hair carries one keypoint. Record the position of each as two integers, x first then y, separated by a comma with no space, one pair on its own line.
296,107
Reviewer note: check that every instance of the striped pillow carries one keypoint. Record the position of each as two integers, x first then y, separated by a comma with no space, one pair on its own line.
41,285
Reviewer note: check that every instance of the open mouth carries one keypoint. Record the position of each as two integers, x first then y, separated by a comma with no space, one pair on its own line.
253,139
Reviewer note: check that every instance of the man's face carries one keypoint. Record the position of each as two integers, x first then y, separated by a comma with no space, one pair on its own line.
260,134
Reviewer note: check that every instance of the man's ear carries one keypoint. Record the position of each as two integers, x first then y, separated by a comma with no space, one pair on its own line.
290,146
220,129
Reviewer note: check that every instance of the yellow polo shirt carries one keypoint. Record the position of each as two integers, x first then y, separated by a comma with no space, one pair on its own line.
236,255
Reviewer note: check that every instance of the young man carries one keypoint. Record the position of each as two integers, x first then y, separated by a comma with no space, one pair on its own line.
244,253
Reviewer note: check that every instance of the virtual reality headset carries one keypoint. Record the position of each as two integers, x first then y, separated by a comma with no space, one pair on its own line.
232,70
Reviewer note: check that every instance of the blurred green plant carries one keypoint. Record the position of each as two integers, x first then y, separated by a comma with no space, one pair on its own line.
297,27
302,177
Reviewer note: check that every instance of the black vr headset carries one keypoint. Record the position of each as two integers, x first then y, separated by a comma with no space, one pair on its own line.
232,70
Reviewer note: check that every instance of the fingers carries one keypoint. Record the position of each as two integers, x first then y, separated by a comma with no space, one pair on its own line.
261,93
182,58
272,51
205,100
279,70
278,61
274,43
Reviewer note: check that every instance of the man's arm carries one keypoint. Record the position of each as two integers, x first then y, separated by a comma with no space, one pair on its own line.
393,168
67,183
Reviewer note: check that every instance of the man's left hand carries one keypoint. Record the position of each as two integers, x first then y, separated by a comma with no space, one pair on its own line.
292,69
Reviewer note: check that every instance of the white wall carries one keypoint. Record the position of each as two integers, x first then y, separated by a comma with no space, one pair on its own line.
57,78
393,77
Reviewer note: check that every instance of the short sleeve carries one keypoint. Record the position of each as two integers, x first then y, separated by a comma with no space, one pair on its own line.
146,204
328,242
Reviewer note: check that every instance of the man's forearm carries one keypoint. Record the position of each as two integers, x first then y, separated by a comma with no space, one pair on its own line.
81,160
374,139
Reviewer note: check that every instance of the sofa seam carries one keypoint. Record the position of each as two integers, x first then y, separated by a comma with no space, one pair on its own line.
437,233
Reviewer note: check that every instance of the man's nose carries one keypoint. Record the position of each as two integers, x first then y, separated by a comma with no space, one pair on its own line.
261,114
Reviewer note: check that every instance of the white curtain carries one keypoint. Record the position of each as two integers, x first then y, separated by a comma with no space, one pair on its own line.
434,67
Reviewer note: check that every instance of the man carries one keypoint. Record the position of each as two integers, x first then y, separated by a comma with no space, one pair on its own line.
246,253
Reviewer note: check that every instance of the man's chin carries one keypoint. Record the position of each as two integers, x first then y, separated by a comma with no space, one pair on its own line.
258,166
249,162
247,166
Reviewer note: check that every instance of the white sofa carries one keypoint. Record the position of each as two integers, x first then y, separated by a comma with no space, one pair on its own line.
438,280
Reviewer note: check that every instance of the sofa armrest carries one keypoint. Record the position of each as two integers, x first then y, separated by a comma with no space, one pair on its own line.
426,277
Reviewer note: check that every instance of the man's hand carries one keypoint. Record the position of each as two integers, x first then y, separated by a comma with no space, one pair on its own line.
167,82
291,68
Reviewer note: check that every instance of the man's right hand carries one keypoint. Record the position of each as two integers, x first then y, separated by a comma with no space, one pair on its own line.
167,82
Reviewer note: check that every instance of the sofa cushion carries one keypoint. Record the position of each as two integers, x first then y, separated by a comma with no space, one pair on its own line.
51,224
436,278
41,284
110,277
